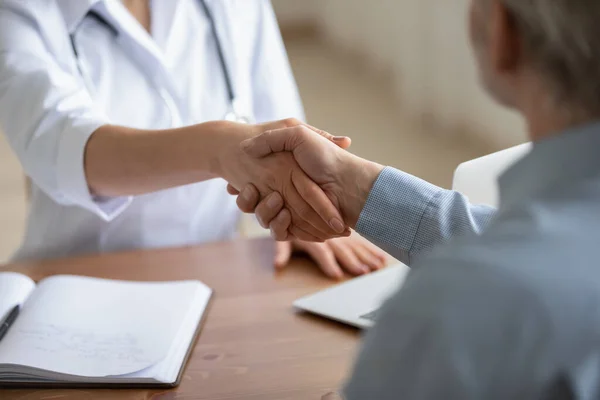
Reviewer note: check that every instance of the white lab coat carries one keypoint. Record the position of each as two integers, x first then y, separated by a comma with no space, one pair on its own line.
48,110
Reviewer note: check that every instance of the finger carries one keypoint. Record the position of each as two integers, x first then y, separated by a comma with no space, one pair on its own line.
283,252
275,141
278,140
367,257
342,141
319,202
304,217
269,208
347,258
288,139
231,190
282,123
322,254
376,251
330,222
280,224
301,234
248,199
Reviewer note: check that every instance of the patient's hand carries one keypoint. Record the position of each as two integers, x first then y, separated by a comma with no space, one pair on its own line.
313,215
346,179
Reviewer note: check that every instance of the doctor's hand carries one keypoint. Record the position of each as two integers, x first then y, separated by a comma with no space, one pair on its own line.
313,215
353,255
345,178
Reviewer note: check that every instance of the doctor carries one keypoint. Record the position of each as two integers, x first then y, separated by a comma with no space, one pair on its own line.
105,103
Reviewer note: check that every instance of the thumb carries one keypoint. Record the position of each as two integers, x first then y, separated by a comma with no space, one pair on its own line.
275,141
288,139
283,252
342,141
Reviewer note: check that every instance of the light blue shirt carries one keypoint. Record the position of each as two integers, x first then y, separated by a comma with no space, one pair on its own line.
511,313
407,216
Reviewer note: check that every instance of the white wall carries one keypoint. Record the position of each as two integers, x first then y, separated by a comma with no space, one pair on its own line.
424,45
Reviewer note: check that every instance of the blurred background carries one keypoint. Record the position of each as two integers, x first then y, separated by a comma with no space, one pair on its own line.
395,75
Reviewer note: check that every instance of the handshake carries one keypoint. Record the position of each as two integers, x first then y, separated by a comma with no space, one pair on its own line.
300,181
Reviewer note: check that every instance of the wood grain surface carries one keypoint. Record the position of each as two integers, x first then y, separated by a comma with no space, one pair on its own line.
254,346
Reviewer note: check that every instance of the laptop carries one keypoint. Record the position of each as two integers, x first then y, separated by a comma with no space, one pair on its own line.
356,302
477,179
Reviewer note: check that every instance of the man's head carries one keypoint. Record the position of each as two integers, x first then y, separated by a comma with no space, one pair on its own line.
543,48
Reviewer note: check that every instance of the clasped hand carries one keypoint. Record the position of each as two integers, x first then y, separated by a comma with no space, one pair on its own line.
311,212
328,175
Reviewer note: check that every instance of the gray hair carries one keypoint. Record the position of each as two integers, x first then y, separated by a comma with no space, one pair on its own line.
562,40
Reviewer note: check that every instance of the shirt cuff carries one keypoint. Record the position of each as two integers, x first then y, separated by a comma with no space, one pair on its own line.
394,210
72,181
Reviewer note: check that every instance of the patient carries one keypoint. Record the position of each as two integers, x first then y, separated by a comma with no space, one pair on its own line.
513,312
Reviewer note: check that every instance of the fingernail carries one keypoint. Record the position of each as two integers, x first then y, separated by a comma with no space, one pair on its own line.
365,269
340,138
261,223
274,201
245,194
337,225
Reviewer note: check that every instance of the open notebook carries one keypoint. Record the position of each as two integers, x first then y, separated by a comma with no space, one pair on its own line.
77,331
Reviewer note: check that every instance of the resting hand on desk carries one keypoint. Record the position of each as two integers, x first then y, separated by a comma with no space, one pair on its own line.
336,256
345,178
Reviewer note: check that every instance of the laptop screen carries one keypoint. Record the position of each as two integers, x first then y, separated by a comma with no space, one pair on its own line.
370,316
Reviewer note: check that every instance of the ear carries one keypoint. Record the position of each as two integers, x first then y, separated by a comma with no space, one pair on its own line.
505,44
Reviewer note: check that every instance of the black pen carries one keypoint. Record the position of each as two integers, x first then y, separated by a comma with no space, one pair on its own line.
8,321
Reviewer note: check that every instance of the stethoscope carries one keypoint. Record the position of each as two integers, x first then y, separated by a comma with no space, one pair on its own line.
234,112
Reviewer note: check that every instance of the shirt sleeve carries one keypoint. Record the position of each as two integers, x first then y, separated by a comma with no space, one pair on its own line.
275,91
406,216
47,115
454,331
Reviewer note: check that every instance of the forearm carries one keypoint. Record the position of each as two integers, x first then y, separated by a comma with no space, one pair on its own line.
122,161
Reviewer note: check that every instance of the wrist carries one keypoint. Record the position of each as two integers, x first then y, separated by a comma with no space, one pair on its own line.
225,139
357,179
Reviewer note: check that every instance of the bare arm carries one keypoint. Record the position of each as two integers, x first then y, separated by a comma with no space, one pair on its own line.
122,161
71,152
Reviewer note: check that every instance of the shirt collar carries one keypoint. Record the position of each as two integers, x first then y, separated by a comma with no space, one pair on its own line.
573,155
74,11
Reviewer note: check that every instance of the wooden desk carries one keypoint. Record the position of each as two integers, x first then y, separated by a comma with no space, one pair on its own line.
253,345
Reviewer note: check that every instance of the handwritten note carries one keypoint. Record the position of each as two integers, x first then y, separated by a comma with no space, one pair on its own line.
96,328
120,348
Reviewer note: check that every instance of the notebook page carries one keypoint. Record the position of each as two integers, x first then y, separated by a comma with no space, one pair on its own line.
167,369
93,327
185,338
14,289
